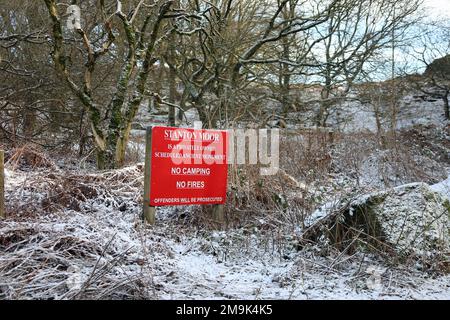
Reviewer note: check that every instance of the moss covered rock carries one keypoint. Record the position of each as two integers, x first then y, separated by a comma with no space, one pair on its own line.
409,221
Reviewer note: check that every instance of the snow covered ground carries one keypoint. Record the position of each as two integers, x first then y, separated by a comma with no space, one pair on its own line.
103,251
352,116
199,275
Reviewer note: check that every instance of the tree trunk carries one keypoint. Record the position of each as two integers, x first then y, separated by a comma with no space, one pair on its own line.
446,105
112,156
29,122
325,104
102,157
172,96
82,134
285,78
121,146
203,117
380,131
172,78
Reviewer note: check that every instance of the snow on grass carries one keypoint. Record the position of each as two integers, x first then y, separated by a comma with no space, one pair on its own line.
443,187
197,275
103,251
321,212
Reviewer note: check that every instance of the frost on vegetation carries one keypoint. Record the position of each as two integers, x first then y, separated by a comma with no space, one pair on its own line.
415,220
74,256
95,249
31,193
386,169
99,250
411,221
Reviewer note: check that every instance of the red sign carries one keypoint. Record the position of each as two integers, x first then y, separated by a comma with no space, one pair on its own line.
189,166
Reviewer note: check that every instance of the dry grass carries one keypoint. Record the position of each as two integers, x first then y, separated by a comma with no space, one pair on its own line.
28,156
46,192
40,261
58,243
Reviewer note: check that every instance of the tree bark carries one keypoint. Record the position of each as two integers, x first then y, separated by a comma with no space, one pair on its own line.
172,96
446,105
111,139
285,78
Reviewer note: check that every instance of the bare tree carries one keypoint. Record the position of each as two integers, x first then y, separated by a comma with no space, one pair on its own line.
356,33
110,37
224,43
433,54
31,100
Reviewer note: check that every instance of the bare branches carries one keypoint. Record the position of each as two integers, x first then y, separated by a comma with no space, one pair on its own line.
58,47
138,48
217,54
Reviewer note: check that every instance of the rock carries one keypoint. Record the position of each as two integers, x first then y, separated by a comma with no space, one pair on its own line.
410,221
439,67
